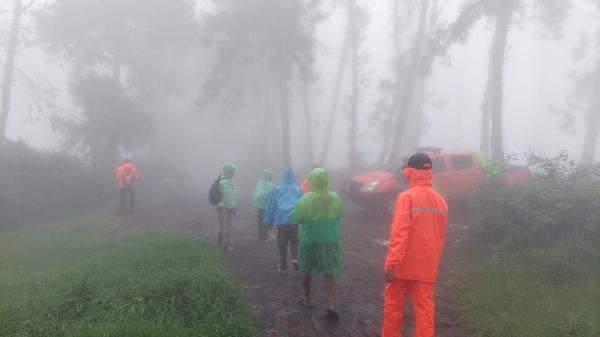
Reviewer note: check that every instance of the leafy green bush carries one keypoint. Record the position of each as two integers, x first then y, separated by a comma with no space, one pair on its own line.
535,267
560,203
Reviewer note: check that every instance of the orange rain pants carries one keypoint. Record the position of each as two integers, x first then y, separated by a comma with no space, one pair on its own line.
421,297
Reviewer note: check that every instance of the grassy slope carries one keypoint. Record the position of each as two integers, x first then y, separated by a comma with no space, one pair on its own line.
75,280
554,292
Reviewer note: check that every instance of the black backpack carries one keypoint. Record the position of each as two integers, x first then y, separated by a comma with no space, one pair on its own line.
214,195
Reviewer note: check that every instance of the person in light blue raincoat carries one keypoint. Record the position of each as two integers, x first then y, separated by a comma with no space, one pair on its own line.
279,211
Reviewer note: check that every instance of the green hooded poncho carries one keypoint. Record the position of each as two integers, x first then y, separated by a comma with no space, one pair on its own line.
320,213
226,186
262,191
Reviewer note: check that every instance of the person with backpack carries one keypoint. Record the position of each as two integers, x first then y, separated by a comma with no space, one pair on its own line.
261,195
279,213
127,175
222,195
320,213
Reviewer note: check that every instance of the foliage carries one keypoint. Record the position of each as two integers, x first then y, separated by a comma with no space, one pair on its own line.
269,37
560,203
534,267
36,184
135,46
110,120
76,280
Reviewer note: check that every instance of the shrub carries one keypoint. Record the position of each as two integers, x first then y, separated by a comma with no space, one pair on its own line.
559,204
35,184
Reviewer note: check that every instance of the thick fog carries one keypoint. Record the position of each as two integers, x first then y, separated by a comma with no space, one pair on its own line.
542,65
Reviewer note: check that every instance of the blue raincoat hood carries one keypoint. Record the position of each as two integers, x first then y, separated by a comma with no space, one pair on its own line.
288,178
283,200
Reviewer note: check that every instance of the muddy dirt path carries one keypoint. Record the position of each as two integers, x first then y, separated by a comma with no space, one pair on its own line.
273,297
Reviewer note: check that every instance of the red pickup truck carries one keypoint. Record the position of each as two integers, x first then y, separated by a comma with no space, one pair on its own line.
456,175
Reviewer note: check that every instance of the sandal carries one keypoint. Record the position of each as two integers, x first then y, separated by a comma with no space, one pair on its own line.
333,315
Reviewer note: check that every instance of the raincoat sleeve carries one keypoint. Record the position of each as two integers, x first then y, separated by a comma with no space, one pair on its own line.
271,207
339,208
400,232
134,173
119,175
298,214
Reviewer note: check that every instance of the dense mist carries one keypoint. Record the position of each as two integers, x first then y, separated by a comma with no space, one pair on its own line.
338,83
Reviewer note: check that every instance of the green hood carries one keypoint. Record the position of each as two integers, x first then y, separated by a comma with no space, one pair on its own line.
267,175
318,181
228,170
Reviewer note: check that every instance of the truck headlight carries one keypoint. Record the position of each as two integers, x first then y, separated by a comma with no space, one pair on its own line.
370,187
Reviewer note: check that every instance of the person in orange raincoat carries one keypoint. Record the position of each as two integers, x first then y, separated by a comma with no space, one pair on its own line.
417,239
127,175
304,186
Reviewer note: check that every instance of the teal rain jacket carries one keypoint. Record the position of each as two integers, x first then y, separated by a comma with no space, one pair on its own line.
226,186
283,201
262,191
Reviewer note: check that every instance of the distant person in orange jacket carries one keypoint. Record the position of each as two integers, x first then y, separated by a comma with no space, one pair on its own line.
127,175
417,239
304,186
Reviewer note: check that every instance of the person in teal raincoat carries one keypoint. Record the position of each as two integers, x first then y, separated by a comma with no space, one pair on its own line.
226,208
261,195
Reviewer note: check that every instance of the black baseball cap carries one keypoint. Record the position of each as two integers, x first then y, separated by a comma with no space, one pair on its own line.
420,161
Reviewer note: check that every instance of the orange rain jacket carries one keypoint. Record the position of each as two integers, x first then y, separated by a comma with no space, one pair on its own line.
304,186
418,230
127,175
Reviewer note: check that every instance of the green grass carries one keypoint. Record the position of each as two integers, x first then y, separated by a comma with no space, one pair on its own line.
554,292
78,280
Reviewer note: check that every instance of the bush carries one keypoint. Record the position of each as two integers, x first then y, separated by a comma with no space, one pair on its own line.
36,184
559,204
535,267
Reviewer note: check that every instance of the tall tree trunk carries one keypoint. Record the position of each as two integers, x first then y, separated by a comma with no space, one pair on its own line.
266,128
9,66
284,101
335,99
353,155
504,18
486,114
592,126
402,106
418,107
306,100
397,68
417,121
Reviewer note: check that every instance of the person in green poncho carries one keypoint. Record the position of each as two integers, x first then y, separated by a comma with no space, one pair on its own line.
261,195
320,213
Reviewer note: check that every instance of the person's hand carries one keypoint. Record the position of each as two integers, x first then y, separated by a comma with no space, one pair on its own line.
389,275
